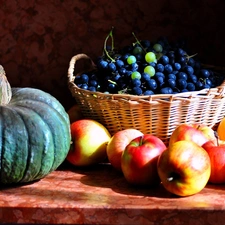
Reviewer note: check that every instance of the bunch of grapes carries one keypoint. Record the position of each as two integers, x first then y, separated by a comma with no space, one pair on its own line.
147,68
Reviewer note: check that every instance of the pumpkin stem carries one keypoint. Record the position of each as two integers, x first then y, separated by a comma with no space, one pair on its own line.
5,88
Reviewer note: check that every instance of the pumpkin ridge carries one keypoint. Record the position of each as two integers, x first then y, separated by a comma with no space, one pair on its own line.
40,96
12,161
59,127
40,143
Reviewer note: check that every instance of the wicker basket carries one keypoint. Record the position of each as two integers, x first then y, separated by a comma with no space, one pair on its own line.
157,114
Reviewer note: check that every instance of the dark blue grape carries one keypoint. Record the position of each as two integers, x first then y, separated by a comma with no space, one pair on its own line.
182,75
137,91
191,62
182,60
159,74
122,70
151,84
84,78
111,88
172,76
160,80
204,73
112,67
124,57
164,60
181,83
91,88
119,63
190,86
159,67
136,82
168,68
171,83
180,52
134,67
93,83
84,86
153,64
166,90
128,73
193,78
148,92
102,64
117,77
145,77
199,85
176,66
188,70
208,82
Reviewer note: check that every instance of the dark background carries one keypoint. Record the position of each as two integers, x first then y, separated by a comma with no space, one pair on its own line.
38,38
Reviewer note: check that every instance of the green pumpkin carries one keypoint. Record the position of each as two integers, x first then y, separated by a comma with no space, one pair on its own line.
34,135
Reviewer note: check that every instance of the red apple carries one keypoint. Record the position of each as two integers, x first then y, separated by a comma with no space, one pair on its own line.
117,145
216,152
184,168
197,133
90,139
139,160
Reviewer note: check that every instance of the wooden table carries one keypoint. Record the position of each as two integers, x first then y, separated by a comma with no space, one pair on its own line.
100,195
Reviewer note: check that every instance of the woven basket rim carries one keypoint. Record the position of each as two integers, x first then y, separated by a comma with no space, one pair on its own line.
218,91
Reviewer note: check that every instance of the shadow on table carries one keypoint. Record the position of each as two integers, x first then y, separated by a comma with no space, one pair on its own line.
105,176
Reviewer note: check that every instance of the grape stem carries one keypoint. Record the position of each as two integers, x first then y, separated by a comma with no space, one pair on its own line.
110,35
137,41
113,82
190,56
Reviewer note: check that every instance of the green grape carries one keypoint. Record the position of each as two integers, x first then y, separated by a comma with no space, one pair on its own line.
137,50
150,57
131,59
150,70
158,47
136,75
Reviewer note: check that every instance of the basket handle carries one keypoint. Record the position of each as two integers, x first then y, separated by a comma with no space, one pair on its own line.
90,66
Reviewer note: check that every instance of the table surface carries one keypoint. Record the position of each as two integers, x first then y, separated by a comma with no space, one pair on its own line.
101,195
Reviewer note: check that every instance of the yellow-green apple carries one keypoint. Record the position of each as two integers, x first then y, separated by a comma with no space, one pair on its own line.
198,133
89,142
216,151
139,160
75,113
118,143
184,168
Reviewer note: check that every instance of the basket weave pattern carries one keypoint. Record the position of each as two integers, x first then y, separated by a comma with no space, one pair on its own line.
157,114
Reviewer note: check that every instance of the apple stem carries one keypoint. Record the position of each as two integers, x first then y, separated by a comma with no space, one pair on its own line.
141,140
217,137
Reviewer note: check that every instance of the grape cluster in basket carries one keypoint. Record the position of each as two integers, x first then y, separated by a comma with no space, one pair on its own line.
147,68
